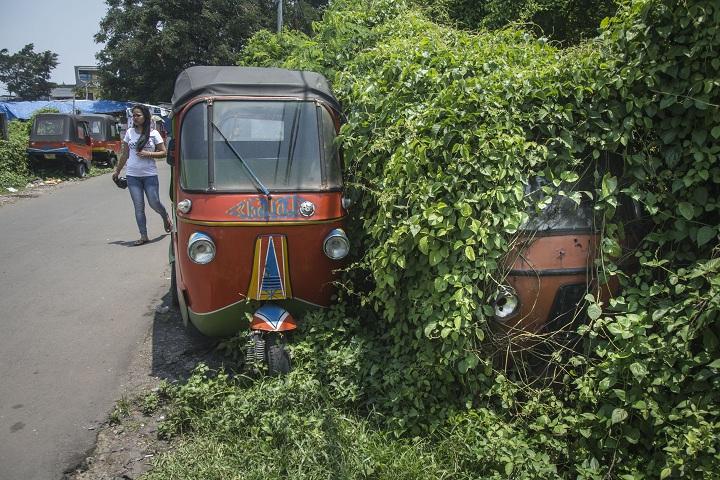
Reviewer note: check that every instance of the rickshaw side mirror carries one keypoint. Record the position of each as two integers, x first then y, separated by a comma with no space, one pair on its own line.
170,159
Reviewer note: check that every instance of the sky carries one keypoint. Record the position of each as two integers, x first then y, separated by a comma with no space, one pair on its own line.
65,27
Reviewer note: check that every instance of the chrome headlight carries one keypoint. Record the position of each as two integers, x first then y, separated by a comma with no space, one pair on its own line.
201,248
336,245
506,303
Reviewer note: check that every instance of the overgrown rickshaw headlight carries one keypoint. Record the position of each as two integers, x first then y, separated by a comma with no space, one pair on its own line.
336,245
201,248
506,303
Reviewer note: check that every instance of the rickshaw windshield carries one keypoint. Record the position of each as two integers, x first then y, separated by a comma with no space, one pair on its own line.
286,145
51,128
560,213
96,129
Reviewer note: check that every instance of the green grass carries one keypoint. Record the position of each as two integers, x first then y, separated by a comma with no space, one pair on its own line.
283,428
298,427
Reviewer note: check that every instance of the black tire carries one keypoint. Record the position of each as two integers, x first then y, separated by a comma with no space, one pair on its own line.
80,170
112,162
276,356
173,287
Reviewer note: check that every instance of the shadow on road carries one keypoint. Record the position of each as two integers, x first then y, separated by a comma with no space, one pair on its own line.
176,350
131,243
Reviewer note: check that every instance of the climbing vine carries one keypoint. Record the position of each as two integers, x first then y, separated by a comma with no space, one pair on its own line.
444,128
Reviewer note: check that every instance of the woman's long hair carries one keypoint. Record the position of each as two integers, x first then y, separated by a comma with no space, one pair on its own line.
145,134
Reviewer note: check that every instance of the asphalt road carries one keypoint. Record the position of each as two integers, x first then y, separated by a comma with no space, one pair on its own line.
76,302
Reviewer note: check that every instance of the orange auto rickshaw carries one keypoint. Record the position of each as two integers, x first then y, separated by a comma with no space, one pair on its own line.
60,138
257,196
552,266
105,133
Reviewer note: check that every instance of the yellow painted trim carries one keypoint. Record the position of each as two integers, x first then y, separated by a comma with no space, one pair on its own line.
286,267
257,224
254,277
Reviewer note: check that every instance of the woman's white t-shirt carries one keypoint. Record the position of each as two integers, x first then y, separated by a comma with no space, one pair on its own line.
141,166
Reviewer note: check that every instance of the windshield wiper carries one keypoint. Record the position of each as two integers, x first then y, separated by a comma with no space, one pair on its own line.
262,188
293,139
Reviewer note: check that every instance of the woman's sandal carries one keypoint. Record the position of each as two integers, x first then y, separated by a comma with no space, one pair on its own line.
168,224
142,241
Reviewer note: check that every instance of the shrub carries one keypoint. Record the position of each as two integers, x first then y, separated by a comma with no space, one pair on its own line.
14,170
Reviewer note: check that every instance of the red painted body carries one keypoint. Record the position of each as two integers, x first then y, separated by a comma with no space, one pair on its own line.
226,279
78,149
541,266
106,147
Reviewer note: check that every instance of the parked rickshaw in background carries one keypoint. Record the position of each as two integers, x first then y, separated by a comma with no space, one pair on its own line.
61,139
552,268
258,201
106,142
159,124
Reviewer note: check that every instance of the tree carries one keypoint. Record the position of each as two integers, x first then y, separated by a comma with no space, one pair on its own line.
27,73
148,42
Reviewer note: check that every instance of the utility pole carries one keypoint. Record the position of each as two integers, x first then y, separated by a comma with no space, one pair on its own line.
280,16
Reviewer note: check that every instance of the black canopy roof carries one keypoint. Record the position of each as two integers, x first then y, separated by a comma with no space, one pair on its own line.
251,81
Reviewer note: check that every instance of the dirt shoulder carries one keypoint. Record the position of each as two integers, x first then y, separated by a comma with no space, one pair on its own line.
127,442
34,189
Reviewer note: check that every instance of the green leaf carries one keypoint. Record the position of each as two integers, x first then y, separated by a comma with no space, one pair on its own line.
594,311
609,184
715,364
436,256
705,234
470,253
686,210
429,328
619,415
638,370
699,136
423,245
665,473
667,101
715,132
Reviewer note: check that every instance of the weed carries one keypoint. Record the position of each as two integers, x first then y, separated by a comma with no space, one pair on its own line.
121,410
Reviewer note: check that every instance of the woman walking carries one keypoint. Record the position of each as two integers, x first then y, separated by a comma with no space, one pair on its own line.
140,147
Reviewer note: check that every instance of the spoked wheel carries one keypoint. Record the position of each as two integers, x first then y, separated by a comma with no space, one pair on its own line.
268,348
112,162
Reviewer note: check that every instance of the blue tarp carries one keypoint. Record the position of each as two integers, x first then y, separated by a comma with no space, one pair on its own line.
25,110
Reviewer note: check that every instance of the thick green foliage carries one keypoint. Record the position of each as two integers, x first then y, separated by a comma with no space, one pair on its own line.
14,171
439,140
566,21
442,129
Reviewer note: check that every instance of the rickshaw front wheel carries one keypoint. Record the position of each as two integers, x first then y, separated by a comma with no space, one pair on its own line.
80,170
173,286
276,356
